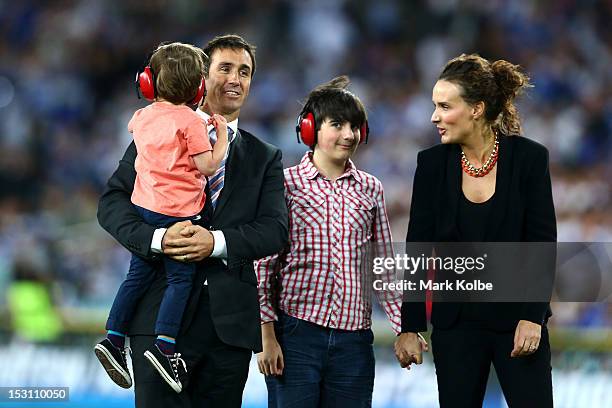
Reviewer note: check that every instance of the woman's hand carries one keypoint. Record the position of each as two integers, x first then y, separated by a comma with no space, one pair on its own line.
526,338
409,348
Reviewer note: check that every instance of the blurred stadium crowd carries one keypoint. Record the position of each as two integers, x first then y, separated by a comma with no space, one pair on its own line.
66,94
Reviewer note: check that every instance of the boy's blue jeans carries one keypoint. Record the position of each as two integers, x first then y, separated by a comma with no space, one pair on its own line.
323,367
139,279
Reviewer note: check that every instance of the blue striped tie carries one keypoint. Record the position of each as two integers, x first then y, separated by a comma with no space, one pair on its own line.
217,180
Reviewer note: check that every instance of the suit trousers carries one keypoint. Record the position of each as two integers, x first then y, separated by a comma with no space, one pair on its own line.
463,355
217,371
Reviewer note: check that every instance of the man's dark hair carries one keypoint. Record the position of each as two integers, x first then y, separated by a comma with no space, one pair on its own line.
333,101
231,41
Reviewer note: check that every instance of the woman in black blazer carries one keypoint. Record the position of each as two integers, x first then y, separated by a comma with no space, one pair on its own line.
483,183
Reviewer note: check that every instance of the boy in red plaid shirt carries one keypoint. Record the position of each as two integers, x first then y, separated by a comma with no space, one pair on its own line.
315,297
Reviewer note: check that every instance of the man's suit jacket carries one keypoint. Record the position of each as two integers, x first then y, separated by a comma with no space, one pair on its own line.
522,211
251,213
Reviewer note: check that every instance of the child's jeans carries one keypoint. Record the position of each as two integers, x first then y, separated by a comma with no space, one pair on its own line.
139,279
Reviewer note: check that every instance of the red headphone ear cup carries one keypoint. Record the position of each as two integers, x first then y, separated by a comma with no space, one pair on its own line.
364,132
307,129
200,94
146,82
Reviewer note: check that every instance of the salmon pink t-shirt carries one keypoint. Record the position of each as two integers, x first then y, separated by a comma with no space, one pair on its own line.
167,179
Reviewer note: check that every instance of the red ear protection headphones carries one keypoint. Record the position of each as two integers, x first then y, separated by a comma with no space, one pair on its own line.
306,129
145,82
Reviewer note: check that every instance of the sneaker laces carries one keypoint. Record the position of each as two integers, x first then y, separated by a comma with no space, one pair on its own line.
174,361
124,353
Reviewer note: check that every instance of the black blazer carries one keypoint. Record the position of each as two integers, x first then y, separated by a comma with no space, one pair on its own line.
252,215
522,211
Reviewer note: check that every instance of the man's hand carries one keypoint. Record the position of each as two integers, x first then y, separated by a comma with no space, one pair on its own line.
270,360
187,243
409,349
526,338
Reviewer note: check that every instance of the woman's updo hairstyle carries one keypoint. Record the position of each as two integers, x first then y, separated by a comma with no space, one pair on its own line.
496,84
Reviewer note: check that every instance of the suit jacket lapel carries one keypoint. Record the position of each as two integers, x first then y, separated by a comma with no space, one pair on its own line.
235,157
452,188
502,186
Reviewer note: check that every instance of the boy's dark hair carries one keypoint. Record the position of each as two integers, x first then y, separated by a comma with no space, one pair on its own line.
231,41
178,70
333,101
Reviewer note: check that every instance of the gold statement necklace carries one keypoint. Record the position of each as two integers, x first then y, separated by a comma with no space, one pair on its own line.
473,171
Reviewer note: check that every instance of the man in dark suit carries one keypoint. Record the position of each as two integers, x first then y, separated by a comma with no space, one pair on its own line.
248,221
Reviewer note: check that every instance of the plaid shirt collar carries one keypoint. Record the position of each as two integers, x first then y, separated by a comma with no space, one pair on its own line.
308,170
